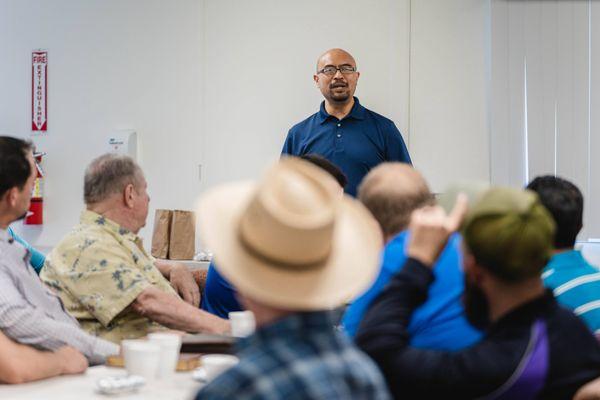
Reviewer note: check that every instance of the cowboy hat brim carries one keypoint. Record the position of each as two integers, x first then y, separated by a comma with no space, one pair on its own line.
349,269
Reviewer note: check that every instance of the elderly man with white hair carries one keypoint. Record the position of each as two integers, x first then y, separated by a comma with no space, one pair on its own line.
102,272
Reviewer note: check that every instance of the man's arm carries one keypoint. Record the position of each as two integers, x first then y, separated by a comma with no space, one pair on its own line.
111,290
289,145
182,279
27,324
174,313
395,147
20,363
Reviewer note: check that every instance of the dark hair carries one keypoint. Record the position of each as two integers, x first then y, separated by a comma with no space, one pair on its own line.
328,166
14,165
565,202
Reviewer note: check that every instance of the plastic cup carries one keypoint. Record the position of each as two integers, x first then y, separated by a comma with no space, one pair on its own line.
142,358
242,323
215,364
170,344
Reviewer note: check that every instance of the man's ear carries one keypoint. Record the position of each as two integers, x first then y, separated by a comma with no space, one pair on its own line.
316,79
468,261
476,273
10,197
128,195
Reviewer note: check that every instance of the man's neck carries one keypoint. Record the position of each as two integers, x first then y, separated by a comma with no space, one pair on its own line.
5,219
113,214
4,225
339,110
562,250
263,314
508,297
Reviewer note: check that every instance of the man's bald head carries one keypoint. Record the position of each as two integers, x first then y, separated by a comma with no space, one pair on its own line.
392,191
332,56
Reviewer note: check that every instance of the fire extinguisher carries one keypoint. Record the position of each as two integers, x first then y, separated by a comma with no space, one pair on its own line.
35,216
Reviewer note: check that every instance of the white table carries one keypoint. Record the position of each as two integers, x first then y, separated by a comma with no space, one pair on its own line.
192,264
79,387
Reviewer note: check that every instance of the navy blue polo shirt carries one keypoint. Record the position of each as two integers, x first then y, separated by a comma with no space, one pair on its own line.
357,143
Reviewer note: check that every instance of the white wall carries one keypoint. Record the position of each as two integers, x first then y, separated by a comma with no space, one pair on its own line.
112,64
449,74
423,63
219,83
260,59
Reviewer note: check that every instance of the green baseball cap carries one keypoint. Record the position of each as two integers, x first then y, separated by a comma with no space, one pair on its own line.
509,232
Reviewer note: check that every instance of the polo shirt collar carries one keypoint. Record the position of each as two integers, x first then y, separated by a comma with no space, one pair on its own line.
357,112
566,258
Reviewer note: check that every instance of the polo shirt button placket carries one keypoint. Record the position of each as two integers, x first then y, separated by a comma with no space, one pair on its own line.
338,137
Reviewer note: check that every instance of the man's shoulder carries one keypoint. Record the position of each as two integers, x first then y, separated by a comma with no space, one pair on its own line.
381,119
83,242
300,127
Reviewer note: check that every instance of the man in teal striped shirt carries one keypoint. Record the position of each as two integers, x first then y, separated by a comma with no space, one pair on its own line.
575,282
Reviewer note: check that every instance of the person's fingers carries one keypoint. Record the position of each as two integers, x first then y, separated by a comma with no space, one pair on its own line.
458,213
196,295
187,296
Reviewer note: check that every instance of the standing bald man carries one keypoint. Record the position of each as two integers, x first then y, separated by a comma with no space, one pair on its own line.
343,131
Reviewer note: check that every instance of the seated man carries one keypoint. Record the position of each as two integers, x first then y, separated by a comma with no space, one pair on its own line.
29,312
294,248
392,191
219,295
20,363
101,271
533,348
574,281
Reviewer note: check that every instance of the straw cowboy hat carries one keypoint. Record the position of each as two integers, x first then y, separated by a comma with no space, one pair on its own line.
291,240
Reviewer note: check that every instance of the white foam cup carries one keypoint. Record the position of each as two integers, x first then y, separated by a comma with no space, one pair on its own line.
170,344
142,358
242,323
215,364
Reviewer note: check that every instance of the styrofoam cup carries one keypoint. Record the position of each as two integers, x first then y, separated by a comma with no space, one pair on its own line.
242,323
142,358
215,364
170,344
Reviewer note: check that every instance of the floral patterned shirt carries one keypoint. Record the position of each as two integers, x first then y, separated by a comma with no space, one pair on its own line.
98,270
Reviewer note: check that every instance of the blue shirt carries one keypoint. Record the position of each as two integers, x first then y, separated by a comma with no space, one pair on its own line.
439,323
576,285
300,356
356,144
37,259
219,295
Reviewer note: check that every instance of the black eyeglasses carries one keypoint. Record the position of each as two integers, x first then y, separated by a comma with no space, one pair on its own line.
331,70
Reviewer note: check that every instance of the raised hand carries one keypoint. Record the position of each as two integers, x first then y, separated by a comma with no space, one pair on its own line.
430,227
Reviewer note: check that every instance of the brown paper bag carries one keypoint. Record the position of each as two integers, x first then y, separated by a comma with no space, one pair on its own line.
161,233
182,244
